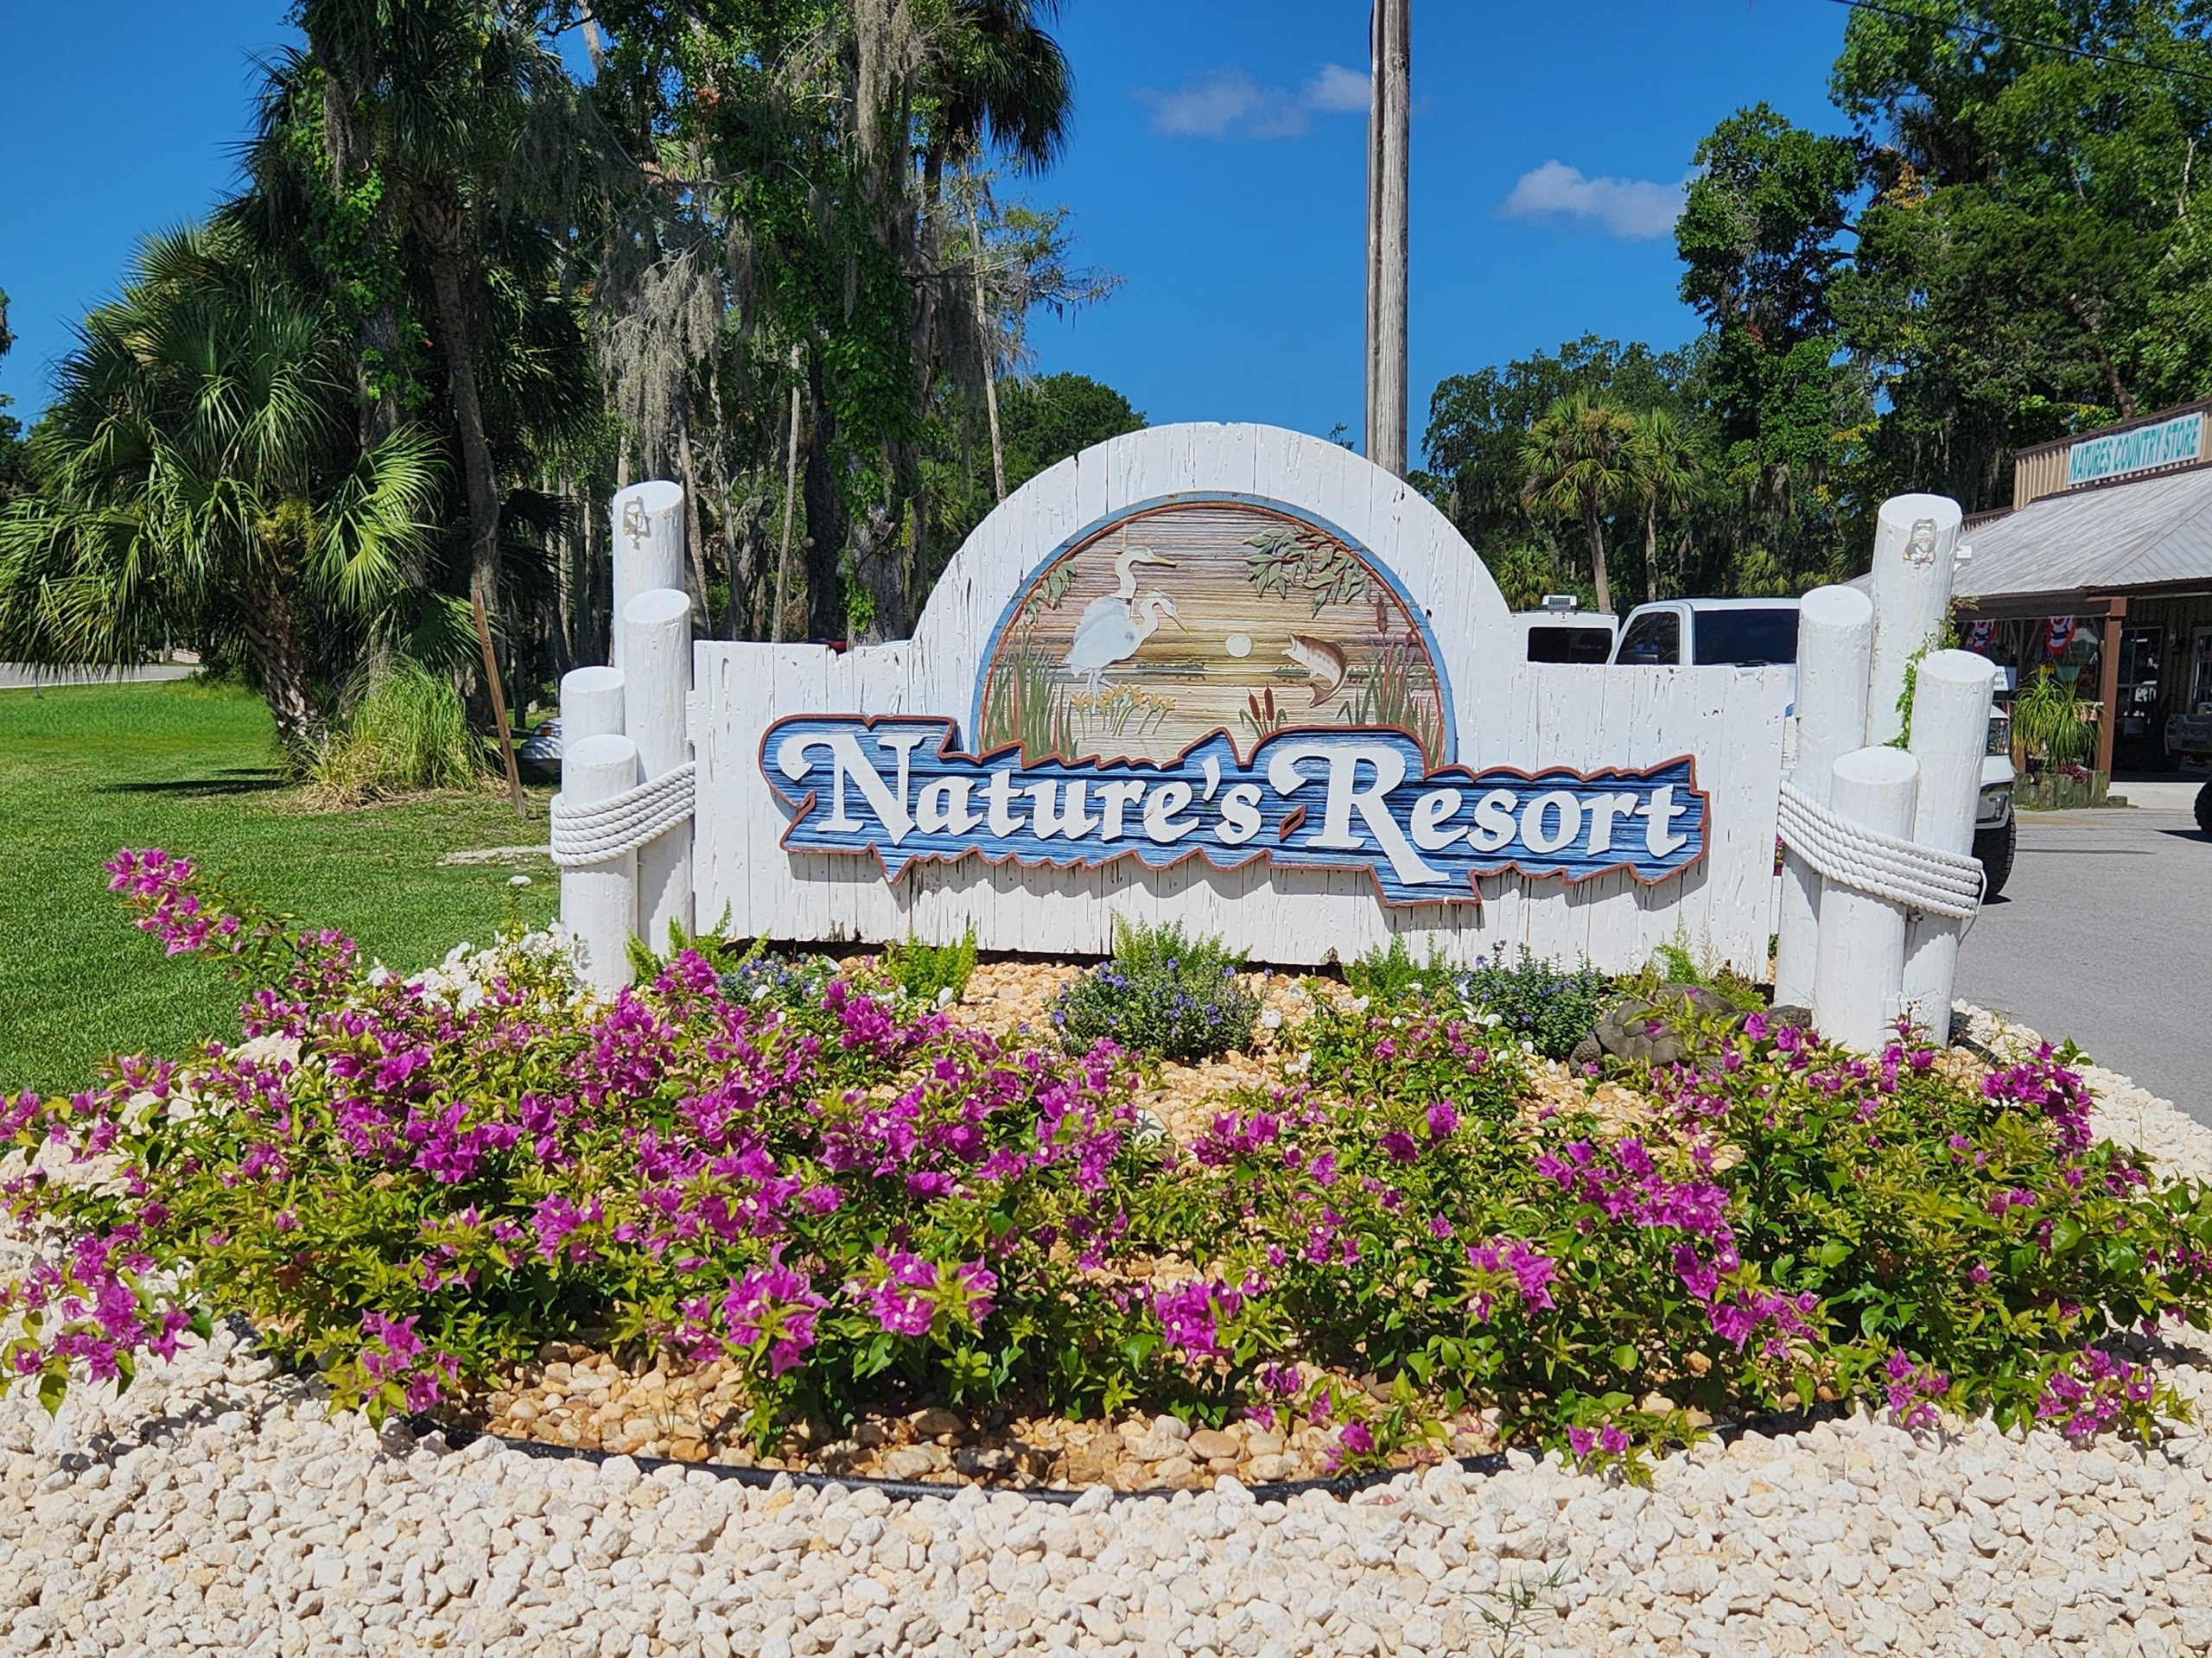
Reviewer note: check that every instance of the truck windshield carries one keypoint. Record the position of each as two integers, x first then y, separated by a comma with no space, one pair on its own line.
1747,638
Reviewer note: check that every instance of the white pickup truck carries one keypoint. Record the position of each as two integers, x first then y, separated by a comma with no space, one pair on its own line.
1762,632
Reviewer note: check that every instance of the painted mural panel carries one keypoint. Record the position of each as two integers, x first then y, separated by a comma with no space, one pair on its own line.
1196,616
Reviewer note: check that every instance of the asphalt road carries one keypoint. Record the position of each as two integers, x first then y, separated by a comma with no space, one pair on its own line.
2104,934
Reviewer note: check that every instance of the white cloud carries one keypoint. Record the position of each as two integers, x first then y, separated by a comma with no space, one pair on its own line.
1338,90
1636,210
1230,103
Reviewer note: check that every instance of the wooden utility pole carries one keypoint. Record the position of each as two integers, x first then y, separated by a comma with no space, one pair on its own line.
1390,39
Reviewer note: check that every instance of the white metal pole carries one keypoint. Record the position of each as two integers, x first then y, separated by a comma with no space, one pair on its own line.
656,643
1950,729
647,545
1835,635
599,901
1914,538
1858,970
591,704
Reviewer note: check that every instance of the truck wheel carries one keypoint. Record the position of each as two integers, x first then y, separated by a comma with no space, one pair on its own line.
1995,847
2204,809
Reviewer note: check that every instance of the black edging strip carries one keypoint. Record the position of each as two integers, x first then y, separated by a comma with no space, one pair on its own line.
1774,1425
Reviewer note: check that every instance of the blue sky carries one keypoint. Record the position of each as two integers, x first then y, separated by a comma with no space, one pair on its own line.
1216,164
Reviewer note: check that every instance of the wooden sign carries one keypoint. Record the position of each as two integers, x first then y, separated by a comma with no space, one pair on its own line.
1241,678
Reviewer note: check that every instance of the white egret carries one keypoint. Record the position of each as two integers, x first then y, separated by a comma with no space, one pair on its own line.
1115,623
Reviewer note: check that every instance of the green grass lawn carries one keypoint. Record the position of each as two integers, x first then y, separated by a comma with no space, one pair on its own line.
194,768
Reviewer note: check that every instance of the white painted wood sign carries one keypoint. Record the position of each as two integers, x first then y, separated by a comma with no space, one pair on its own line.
1242,679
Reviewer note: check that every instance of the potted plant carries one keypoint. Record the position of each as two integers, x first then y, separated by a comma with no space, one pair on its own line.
2052,727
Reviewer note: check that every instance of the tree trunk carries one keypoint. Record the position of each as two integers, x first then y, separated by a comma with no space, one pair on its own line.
1594,527
1651,550
825,519
478,472
694,534
279,657
985,350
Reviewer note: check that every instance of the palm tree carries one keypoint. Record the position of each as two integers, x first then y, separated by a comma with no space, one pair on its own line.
199,477
1664,468
436,103
1578,461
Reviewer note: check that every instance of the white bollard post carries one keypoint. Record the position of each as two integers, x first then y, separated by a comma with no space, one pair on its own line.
599,901
1835,634
647,543
656,634
1950,729
591,704
1916,537
1859,971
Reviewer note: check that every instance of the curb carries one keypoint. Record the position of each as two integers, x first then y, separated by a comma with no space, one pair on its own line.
1774,1425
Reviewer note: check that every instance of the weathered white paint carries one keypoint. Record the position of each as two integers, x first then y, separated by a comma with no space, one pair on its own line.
1508,713
599,902
1950,729
1858,968
646,543
591,703
656,631
1912,597
1835,634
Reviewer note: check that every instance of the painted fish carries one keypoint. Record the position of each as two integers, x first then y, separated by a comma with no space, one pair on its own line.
1325,661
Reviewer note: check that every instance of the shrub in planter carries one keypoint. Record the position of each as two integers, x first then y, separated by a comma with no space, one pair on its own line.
1551,1006
853,1205
933,974
1163,995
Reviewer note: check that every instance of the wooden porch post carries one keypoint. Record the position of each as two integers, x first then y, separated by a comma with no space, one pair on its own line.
2108,683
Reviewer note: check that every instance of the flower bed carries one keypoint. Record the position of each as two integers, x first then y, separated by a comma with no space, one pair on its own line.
769,1210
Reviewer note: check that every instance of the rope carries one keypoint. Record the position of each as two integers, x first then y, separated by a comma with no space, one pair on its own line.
607,829
1915,876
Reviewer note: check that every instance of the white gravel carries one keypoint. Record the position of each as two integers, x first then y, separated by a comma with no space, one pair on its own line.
217,1508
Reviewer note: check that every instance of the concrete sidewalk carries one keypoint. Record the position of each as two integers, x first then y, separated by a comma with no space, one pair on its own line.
23,676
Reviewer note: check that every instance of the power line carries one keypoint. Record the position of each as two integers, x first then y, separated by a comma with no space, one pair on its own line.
1986,33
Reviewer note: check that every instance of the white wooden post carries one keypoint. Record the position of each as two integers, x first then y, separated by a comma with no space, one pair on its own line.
591,704
599,901
1858,973
1835,632
647,541
657,642
1950,729
1915,538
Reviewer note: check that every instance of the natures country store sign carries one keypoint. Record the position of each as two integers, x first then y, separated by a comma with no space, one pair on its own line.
2117,454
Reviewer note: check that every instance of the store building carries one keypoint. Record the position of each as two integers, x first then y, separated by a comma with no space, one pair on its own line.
2102,570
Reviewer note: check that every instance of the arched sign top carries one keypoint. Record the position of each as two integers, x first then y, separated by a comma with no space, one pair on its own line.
1211,487
1203,612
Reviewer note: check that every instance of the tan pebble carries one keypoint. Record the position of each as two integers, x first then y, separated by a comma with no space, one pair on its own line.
934,1420
1209,1443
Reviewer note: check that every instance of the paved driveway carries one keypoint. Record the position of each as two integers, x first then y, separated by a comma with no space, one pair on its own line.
2105,934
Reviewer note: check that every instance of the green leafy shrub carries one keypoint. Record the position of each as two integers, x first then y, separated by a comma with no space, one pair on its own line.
1164,993
1538,1001
853,1206
1672,963
401,730
936,973
1391,974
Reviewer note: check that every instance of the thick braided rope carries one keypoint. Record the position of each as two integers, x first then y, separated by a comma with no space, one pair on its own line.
607,829
1917,877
